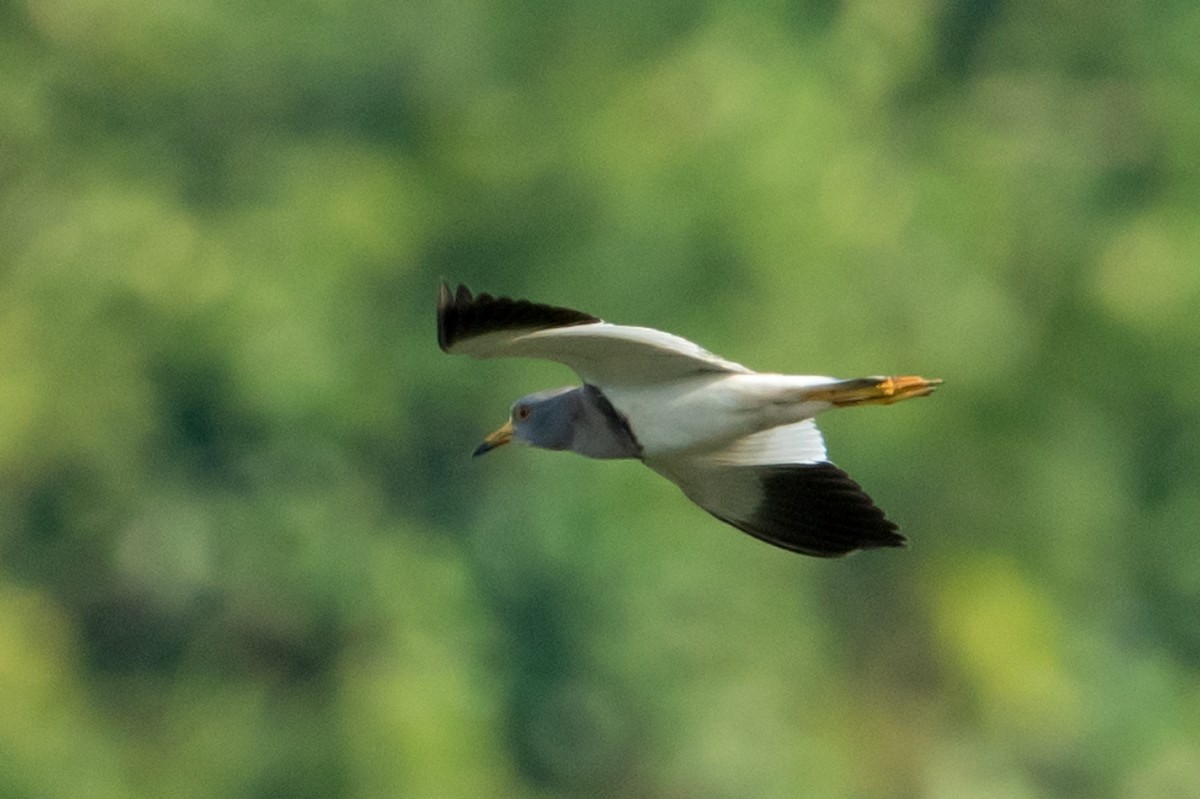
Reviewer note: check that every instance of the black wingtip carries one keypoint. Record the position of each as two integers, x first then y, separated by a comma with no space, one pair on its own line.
817,509
462,315
445,313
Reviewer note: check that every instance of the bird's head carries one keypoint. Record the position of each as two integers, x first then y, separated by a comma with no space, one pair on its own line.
540,420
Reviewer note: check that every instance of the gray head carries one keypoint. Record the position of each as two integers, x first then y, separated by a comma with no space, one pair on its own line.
576,418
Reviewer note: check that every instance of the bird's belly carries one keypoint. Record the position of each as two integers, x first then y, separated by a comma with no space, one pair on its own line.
709,411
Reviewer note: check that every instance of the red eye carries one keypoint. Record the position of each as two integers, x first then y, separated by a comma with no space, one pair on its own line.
522,412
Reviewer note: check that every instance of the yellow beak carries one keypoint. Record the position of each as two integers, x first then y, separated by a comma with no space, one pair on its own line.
497,439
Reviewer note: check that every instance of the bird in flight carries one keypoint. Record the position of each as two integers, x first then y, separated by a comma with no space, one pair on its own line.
742,445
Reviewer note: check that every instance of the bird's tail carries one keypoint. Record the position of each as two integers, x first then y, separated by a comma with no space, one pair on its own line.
874,390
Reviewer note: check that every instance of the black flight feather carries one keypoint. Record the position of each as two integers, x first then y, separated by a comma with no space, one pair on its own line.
462,315
816,509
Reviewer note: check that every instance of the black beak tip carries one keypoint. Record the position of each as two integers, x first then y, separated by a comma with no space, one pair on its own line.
482,448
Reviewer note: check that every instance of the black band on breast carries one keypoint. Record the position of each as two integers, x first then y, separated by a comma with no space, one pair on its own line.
618,423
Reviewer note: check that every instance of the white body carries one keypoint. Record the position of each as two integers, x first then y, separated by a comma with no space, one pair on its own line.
709,412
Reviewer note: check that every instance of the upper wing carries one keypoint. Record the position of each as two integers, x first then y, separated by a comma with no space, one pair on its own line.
777,486
601,353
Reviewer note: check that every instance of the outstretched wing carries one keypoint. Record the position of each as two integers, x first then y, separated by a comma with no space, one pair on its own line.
778,486
603,354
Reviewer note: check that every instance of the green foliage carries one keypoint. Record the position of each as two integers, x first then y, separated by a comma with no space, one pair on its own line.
244,552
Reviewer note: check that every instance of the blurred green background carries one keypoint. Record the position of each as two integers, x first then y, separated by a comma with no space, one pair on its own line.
244,551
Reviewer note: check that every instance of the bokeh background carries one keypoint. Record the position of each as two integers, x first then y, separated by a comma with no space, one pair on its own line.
244,551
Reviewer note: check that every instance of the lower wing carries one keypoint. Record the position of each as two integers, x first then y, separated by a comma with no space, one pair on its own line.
807,505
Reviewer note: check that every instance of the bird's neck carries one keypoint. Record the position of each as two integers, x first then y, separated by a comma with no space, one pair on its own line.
599,430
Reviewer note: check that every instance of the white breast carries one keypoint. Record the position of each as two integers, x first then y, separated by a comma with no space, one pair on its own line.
709,411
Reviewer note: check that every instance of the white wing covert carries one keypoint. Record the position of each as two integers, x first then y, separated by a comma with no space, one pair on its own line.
602,353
